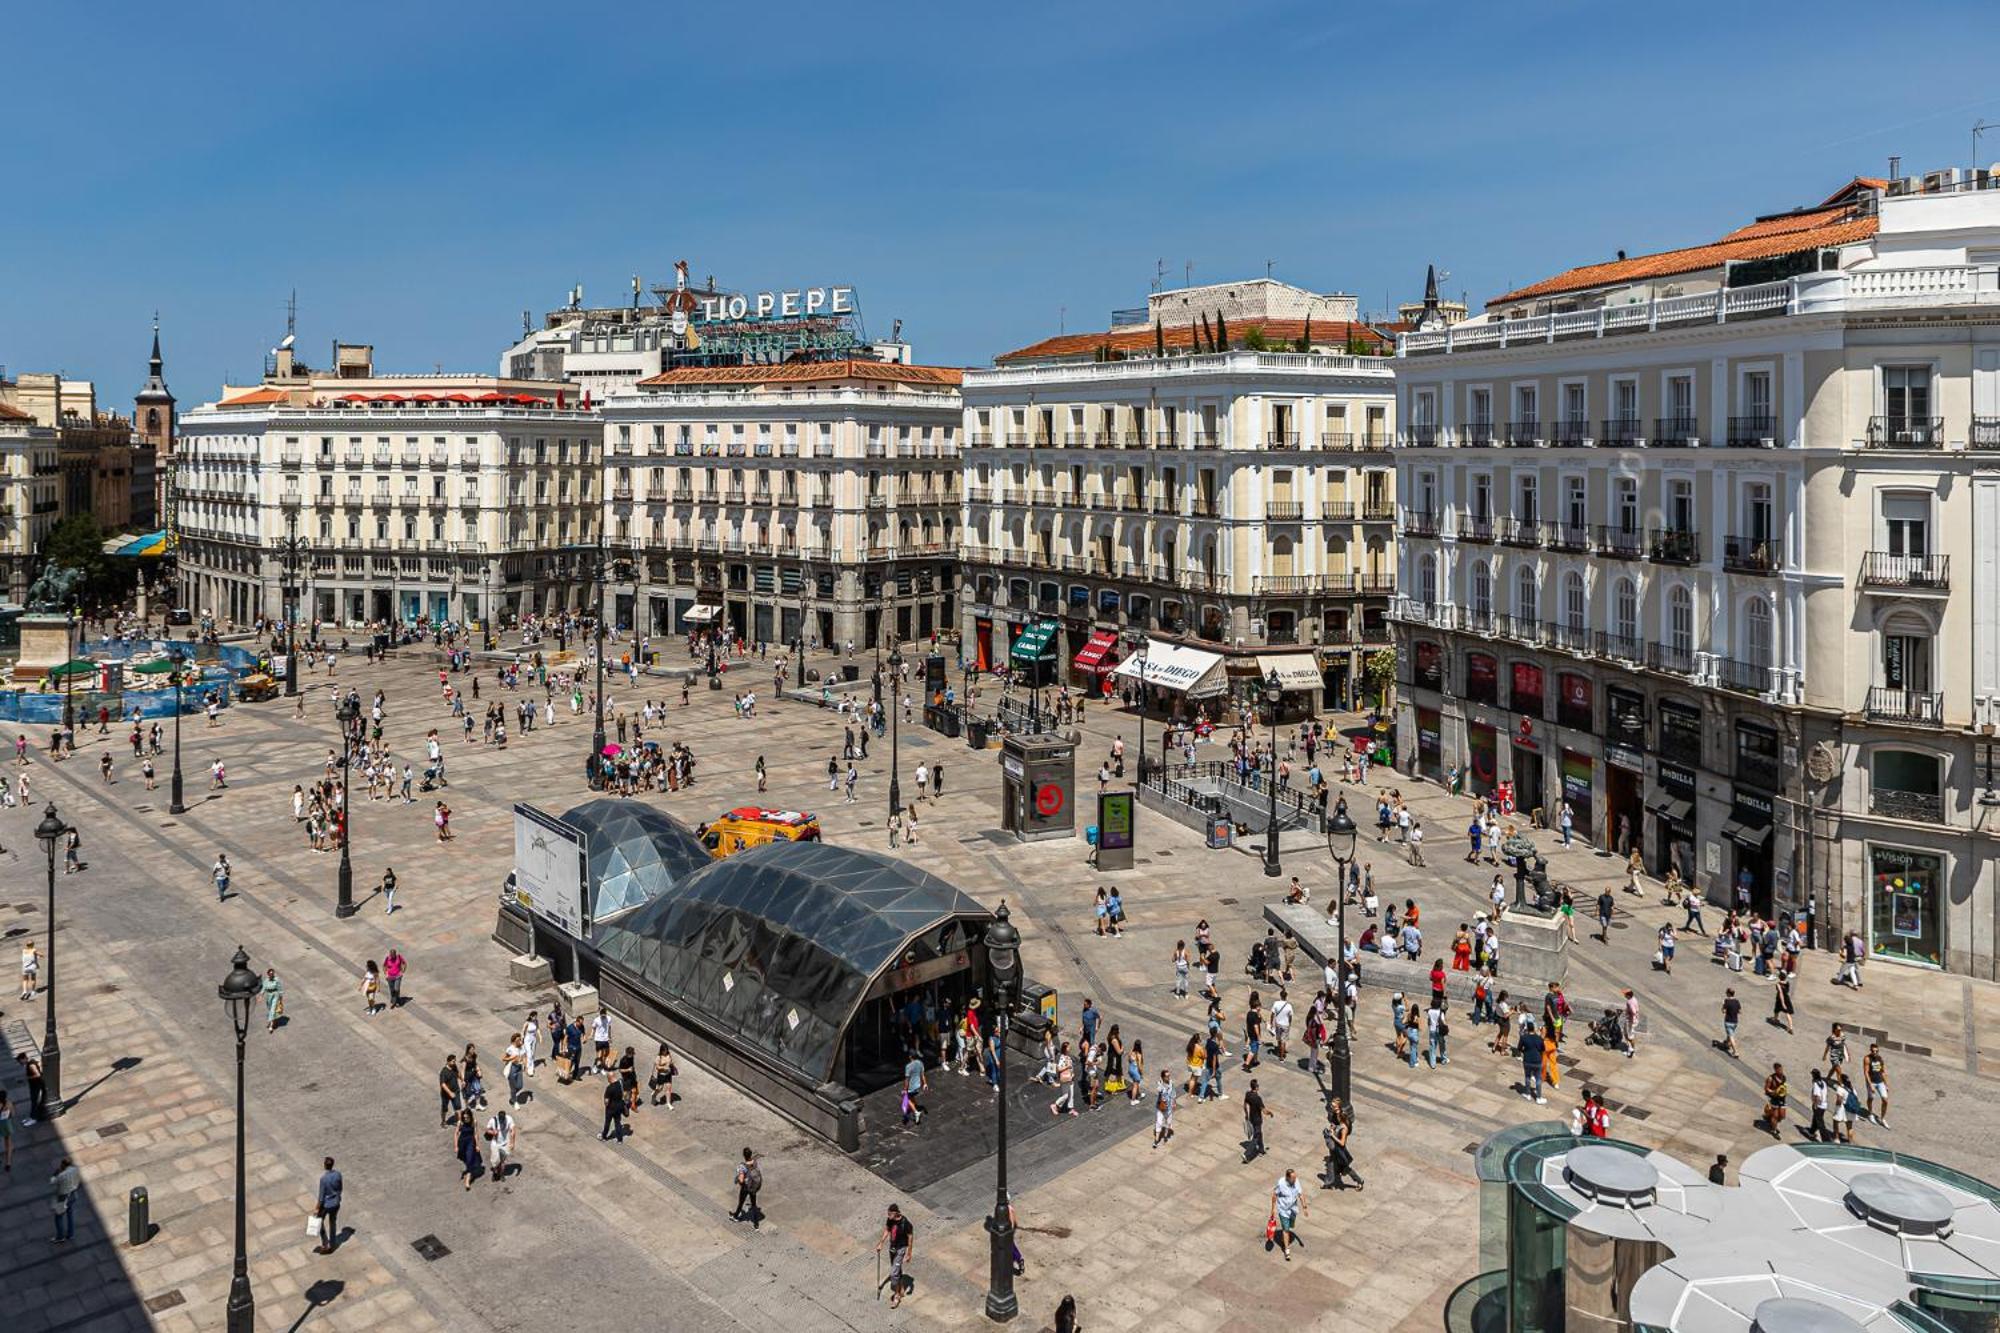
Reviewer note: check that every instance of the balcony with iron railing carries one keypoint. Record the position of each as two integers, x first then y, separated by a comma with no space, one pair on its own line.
1424,435
1618,647
1676,546
1521,434
1377,511
1985,433
1476,435
1925,807
1525,533
1752,555
1419,523
1909,708
1905,433
1743,677
1203,440
1288,585
1375,441
1569,638
1520,629
1908,573
1284,511
1621,543
1619,433
1281,439
1674,433
1205,507
1337,511
1752,432
1673,658
1475,528
1572,537
1570,434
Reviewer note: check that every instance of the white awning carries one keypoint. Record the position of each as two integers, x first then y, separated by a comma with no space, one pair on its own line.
700,615
1296,671
1171,666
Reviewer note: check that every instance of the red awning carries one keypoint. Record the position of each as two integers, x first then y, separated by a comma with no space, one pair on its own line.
459,398
1091,657
423,398
490,398
387,398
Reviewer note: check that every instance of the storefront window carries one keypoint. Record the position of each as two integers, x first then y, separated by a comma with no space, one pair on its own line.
1573,701
1482,678
1430,748
1904,910
1430,666
1680,733
1483,748
1625,718
1757,756
1576,788
1527,684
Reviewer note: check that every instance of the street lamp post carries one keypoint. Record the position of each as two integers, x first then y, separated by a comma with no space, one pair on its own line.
50,832
177,805
1142,712
348,710
1273,692
895,778
1340,836
236,991
292,549
1003,978
488,610
69,677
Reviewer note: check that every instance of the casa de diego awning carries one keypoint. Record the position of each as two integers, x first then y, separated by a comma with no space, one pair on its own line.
1173,666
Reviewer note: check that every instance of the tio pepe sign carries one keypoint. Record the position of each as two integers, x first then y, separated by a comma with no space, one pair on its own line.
802,304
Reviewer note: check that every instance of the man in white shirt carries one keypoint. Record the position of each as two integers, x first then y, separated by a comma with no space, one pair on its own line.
600,1037
501,1134
1281,1023
1286,1202
923,779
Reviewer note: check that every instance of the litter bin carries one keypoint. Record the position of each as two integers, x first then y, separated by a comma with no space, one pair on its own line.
1220,832
850,672
975,735
139,1219
1037,1013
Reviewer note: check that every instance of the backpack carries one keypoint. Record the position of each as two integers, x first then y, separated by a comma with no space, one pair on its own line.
753,1178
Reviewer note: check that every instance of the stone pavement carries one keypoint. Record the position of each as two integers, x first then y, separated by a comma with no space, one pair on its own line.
1159,1239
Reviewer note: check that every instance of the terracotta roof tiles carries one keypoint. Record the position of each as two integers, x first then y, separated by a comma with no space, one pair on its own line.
1180,338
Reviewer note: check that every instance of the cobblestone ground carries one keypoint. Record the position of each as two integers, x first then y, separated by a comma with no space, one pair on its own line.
1157,1239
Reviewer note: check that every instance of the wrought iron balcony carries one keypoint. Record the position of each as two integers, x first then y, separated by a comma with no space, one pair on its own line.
1621,647
1881,569
1337,511
1287,585
1521,629
1475,435
1985,433
1911,708
1673,658
1419,523
1742,677
1570,434
1922,806
1570,638
1906,432
1377,511
1422,437
1566,536
1521,434
1618,433
1475,528
1753,432
1623,543
1752,555
1674,433
1284,511
1281,439
1518,532
1676,546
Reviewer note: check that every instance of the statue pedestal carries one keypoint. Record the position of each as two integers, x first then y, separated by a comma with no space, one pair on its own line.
1533,945
45,645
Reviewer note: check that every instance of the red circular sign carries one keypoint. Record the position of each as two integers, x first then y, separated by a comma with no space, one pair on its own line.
1048,798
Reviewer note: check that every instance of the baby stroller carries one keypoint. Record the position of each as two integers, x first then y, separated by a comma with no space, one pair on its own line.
1606,1032
433,778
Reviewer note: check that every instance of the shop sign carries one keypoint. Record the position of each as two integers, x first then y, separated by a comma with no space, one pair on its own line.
1625,757
1524,735
1678,780
802,303
1012,767
1753,806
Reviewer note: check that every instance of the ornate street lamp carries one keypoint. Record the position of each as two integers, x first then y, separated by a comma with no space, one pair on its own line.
176,805
1003,987
895,778
292,551
237,990
1340,835
348,710
69,677
50,832
1143,643
1273,693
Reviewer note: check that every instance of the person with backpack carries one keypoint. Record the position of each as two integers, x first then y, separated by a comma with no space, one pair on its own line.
900,1237
749,1179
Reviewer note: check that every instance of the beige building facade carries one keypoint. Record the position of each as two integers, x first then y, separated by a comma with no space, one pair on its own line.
1235,502
814,498
1702,545
30,494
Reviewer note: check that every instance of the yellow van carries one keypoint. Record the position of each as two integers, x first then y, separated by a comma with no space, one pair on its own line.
749,826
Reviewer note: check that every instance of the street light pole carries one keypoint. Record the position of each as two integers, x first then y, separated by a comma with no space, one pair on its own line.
597,731
236,991
895,779
1003,976
177,805
290,551
1273,692
1340,836
73,629
349,713
49,832
1142,712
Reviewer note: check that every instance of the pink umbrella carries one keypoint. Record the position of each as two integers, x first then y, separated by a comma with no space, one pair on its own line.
612,751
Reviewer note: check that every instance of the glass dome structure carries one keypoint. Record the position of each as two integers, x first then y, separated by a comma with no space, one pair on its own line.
636,852
778,947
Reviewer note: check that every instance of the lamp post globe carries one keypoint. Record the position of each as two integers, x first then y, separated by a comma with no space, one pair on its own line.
1003,984
49,832
1273,693
1340,838
236,991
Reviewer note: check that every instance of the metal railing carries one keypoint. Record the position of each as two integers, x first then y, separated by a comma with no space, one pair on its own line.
1752,432
1905,432
1419,523
1521,434
1570,434
1475,528
1475,435
1676,546
1281,439
1566,536
1883,569
1914,708
1925,807
1752,555
1672,658
1625,543
1985,433
1618,433
1674,433
1296,806
1742,677
1520,532
1284,511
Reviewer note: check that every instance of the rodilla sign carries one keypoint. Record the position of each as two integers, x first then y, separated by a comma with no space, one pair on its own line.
811,302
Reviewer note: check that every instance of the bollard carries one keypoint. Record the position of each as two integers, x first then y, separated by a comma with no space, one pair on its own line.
139,1221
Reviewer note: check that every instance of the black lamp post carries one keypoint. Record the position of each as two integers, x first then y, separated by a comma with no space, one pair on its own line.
348,710
714,671
236,991
73,629
177,805
292,550
1142,711
1273,692
50,832
895,778
489,609
1340,834
1003,981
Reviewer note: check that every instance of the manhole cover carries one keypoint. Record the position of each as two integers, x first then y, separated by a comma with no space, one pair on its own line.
166,1300
1227,902
431,1248
112,1130
1621,925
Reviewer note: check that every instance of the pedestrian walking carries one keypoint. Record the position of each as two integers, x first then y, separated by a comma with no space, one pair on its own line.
1781,1001
1415,839
219,872
326,1207
501,1136
465,1147
515,1072
64,1185
1163,1109
450,1091
661,1084
614,1109
1873,1070
1532,1049
916,1082
749,1180
1287,1201
31,966
1254,1112
388,890
393,967
1776,1093
900,1238
371,984
1339,1158
274,998
1732,1014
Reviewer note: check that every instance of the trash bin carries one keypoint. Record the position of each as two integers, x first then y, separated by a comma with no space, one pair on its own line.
975,735
1037,1012
139,1219
1220,832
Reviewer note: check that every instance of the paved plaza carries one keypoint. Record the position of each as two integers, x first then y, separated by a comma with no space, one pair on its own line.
1169,1238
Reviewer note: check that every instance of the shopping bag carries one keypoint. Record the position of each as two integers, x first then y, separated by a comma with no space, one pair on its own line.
312,1226
1271,1229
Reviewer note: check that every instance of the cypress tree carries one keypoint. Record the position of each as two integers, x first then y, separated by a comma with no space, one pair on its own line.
1306,338
1159,340
1221,333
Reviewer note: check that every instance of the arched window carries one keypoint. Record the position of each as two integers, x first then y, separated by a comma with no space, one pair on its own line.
1625,610
1482,589
1757,633
1680,619
1575,610
1526,585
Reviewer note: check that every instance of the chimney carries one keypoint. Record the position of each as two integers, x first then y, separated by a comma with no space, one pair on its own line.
1895,166
1621,256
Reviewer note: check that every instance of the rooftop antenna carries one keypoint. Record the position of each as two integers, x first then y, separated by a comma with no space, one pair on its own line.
635,291
1159,274
1062,319
291,316
1188,274
1895,166
526,326
1267,268
1978,128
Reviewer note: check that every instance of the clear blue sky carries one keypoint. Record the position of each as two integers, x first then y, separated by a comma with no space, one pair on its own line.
422,172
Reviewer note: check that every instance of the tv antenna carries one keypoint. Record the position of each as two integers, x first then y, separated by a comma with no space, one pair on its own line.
1159,274
1980,127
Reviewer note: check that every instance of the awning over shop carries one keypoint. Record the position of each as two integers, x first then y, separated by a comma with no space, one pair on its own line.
1189,671
1750,837
700,615
1672,809
1295,671
1091,656
1034,643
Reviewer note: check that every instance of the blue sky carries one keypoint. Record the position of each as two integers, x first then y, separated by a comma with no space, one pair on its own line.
423,172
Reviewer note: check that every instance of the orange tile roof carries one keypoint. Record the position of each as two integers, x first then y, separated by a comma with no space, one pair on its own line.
1182,337
804,372
9,412
257,398
1832,223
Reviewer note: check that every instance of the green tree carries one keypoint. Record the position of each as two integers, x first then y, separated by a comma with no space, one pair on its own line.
1380,673
1159,340
1221,333
1253,339
1306,337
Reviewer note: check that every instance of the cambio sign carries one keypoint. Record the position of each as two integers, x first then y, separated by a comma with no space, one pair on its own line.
783,305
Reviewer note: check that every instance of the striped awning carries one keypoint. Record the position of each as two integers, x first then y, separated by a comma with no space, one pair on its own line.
1035,643
1091,656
